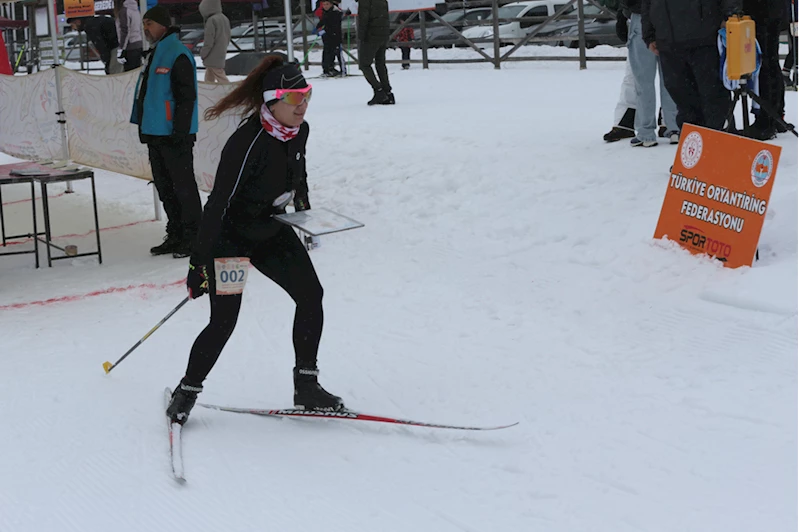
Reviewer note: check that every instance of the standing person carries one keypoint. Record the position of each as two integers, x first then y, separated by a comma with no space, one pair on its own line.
165,108
216,41
129,31
405,35
101,30
262,163
373,33
645,65
790,59
684,34
329,27
769,17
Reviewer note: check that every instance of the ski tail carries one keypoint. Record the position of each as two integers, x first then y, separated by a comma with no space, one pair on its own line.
349,415
175,442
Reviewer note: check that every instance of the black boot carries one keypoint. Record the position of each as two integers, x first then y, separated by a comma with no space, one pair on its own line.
183,399
309,395
379,98
183,249
171,243
390,99
618,133
763,128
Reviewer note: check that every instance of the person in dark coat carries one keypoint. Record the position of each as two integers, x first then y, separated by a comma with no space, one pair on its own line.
329,27
684,33
101,31
261,168
166,111
373,34
770,18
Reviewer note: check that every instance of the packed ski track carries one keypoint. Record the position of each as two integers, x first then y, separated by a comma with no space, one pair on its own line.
506,272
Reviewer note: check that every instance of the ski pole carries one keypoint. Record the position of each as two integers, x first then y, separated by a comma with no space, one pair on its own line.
107,366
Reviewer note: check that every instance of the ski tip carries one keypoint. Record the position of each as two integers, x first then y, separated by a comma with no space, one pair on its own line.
107,367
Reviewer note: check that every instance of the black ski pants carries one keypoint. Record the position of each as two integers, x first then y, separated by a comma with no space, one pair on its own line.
172,162
692,77
372,52
132,59
283,259
772,86
330,52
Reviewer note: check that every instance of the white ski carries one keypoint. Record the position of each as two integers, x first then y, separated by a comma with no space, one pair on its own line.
175,448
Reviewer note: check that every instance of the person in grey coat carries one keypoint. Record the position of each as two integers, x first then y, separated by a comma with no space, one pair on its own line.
216,41
130,33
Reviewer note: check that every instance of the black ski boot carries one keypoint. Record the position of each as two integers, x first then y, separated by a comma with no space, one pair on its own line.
309,395
183,399
379,98
390,100
183,249
171,243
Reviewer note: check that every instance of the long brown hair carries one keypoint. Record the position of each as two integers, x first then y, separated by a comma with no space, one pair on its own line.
249,94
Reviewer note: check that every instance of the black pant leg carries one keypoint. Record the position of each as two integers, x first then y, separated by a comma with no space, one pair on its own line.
772,87
681,86
285,260
713,95
328,53
132,60
366,56
406,55
166,191
210,342
380,66
179,159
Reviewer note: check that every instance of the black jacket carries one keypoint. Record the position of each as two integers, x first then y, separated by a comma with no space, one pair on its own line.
373,23
102,32
182,80
768,11
685,23
331,22
254,169
630,6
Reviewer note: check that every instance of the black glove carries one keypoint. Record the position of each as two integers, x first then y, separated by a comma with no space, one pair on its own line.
197,280
622,31
301,204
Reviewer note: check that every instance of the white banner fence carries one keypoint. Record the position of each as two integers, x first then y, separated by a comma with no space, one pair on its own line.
97,113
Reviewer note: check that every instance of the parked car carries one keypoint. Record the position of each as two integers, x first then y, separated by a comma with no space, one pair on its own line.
192,38
600,28
515,31
441,35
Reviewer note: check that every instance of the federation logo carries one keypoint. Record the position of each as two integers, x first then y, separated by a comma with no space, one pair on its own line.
762,167
691,150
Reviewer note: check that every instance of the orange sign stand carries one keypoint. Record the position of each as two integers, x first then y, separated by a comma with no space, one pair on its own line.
78,8
718,193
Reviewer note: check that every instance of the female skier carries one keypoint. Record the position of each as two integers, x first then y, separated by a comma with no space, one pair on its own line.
262,166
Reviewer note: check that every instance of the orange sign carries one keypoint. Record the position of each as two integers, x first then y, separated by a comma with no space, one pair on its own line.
78,8
718,194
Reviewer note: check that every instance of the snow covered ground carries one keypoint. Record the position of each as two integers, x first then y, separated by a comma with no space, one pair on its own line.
507,272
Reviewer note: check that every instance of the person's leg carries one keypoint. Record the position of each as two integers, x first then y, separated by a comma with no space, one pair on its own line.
714,97
132,59
682,87
179,160
285,261
772,86
406,57
166,192
209,75
644,66
382,71
366,56
327,54
220,75
667,105
627,96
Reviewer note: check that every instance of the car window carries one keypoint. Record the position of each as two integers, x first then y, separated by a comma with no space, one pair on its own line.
570,9
540,11
510,11
238,31
476,15
454,16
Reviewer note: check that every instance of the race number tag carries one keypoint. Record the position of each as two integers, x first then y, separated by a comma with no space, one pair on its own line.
231,275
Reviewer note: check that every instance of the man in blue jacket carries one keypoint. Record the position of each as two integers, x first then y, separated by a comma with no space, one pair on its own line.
165,109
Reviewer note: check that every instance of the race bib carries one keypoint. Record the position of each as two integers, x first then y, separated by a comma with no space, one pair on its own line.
231,275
